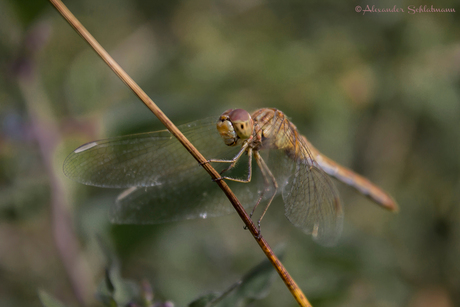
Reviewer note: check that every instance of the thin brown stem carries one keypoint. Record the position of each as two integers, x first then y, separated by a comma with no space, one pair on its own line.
290,283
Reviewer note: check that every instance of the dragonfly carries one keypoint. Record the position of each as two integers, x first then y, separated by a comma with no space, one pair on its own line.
164,183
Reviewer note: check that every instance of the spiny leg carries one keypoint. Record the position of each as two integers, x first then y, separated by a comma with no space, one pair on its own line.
232,161
267,175
266,186
248,179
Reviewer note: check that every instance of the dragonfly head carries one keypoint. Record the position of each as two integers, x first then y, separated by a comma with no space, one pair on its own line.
235,125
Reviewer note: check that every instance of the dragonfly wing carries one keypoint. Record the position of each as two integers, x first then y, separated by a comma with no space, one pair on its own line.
312,203
200,198
145,159
310,197
165,183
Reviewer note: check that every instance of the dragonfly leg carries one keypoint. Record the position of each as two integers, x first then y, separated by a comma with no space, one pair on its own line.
248,179
232,161
266,185
268,176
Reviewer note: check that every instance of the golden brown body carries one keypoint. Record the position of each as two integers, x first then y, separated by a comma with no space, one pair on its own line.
280,133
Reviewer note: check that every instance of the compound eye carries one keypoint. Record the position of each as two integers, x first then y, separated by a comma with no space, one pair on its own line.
242,123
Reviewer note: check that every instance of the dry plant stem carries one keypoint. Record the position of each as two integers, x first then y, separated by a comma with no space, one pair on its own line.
290,283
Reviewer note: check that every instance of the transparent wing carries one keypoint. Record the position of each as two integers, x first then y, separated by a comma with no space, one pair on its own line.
164,181
311,198
199,198
312,203
146,159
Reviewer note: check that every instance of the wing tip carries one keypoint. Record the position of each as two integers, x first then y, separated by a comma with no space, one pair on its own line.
126,193
85,147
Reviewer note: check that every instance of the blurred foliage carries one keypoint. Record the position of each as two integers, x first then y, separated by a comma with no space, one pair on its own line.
115,291
254,285
49,301
376,92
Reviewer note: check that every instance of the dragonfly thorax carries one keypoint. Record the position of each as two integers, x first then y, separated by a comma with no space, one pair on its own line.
235,126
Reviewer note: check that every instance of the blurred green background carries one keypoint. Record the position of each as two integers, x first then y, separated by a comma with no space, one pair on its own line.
377,92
